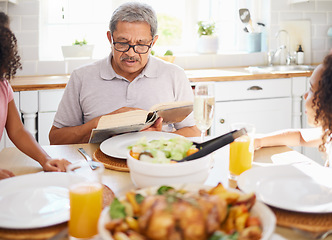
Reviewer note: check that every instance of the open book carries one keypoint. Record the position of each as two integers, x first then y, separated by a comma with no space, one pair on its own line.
138,120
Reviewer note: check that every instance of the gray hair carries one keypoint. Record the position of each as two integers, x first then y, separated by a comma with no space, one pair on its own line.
134,12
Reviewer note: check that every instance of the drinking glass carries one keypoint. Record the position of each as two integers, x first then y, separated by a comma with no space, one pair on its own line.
241,152
86,198
204,104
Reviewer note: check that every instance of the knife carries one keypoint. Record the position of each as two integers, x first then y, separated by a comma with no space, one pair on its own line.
87,157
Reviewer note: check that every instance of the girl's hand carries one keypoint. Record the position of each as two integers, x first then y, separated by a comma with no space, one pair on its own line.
4,173
56,165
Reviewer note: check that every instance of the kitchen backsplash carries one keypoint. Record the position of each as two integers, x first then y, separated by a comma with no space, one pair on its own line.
24,22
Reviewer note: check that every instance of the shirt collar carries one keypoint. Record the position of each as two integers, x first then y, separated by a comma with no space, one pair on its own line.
107,72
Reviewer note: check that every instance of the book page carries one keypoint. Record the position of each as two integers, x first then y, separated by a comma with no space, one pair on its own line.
122,119
175,115
168,105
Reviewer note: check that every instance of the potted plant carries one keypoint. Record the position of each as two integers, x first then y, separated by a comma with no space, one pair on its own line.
207,41
168,56
78,49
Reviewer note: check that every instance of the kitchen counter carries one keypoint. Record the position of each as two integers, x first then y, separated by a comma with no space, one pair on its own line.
30,83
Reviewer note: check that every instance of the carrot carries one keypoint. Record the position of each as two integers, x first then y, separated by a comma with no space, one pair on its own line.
192,151
134,154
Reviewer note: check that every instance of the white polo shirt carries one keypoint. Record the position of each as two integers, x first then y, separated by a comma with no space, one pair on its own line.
95,89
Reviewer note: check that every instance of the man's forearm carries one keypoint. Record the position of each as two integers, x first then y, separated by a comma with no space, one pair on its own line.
69,135
72,135
189,131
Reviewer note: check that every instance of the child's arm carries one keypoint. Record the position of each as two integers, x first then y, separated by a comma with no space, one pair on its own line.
5,173
24,141
310,137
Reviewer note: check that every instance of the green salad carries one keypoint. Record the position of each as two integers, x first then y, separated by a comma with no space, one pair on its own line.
162,150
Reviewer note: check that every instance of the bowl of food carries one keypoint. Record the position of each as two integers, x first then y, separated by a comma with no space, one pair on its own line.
186,211
158,162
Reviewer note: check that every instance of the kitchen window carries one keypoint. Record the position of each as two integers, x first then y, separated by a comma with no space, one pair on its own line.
64,21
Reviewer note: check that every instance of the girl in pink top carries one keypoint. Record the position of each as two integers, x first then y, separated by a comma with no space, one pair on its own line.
9,116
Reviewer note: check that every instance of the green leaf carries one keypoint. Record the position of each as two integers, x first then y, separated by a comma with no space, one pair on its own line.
168,53
206,28
117,209
219,235
164,189
139,198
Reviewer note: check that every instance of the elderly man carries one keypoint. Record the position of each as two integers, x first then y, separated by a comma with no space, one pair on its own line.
130,78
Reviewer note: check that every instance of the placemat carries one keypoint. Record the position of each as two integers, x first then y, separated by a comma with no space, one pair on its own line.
110,162
47,232
312,222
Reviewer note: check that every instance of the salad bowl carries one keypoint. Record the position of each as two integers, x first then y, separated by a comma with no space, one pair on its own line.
147,174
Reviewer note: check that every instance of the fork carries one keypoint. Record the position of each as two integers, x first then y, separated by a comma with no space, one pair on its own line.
314,235
87,157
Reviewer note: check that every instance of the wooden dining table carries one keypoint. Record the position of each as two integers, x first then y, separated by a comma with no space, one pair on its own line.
120,182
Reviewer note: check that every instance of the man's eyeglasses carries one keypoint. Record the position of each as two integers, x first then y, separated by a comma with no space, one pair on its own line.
138,48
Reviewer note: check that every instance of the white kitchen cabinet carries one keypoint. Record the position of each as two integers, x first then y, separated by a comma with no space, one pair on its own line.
48,102
265,103
267,115
45,122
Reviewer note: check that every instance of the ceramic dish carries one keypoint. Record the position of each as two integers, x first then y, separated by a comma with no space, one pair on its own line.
34,200
301,187
266,216
117,146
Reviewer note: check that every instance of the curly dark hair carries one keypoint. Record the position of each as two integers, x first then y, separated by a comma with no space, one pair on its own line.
323,101
9,58
4,19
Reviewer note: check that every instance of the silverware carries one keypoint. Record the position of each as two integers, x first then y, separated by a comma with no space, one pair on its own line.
314,235
60,235
87,157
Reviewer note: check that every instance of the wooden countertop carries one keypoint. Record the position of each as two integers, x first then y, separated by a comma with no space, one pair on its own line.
30,83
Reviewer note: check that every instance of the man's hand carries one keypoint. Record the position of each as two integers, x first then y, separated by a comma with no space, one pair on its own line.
157,126
4,173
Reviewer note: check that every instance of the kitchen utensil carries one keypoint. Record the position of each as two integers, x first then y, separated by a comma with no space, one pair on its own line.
87,157
259,25
60,235
245,18
314,235
214,144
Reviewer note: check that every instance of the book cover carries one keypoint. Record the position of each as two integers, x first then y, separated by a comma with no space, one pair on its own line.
137,120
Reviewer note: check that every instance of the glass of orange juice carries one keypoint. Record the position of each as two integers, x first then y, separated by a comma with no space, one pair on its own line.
85,197
241,152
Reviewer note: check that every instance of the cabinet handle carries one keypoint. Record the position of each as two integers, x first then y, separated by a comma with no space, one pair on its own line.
255,88
222,121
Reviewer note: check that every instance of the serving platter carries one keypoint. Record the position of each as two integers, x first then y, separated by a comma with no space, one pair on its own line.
117,146
299,187
34,200
264,213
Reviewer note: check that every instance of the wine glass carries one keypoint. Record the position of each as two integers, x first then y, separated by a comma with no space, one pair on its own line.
204,103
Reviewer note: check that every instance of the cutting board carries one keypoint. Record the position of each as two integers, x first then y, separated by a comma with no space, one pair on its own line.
299,33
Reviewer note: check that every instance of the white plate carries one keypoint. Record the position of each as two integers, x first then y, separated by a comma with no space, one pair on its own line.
264,213
301,187
117,146
34,200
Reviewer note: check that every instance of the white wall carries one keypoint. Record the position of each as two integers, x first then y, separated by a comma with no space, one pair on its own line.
319,12
24,22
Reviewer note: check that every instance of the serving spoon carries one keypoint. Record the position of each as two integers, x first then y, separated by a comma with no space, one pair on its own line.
214,144
245,18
